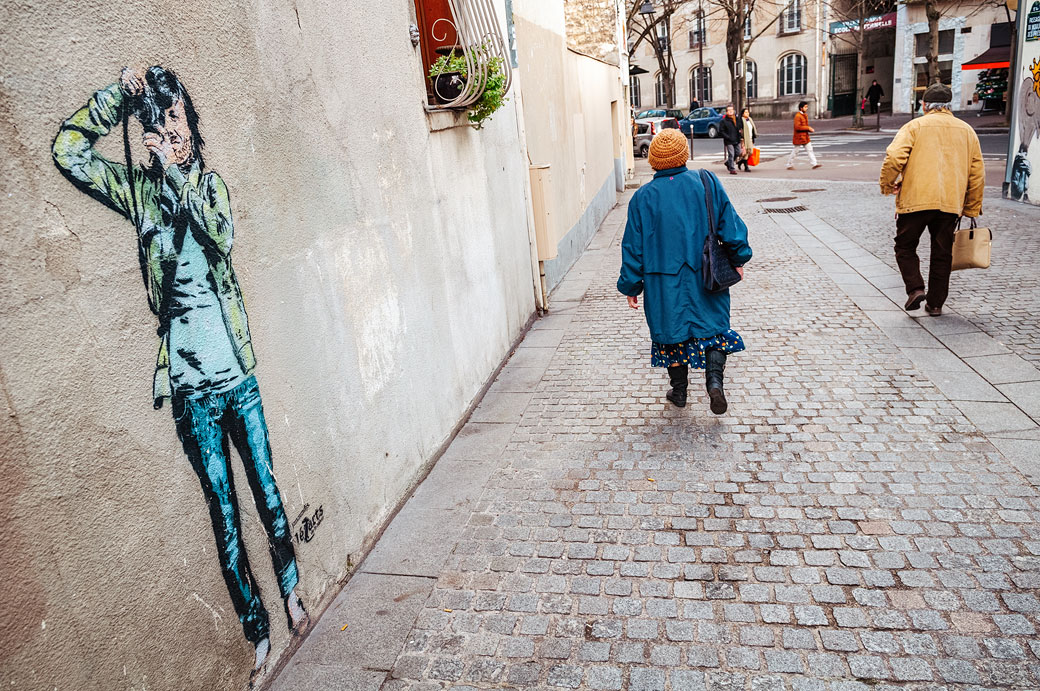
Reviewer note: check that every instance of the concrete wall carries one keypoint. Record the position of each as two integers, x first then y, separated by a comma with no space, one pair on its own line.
567,102
386,271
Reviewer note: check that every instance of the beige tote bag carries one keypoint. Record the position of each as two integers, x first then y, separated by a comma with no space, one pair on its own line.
971,247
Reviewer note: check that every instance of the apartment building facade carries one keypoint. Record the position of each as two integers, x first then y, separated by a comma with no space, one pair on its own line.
783,47
974,48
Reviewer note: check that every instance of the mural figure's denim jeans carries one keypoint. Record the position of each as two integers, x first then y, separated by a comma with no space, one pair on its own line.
204,425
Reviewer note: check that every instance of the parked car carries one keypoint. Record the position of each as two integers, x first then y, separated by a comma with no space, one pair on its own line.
659,113
641,139
702,122
645,131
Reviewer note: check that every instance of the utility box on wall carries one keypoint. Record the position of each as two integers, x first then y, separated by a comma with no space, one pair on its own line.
544,219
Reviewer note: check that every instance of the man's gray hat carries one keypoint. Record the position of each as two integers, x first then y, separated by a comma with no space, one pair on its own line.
938,93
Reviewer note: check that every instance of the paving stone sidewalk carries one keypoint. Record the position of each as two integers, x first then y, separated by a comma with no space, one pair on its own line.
845,526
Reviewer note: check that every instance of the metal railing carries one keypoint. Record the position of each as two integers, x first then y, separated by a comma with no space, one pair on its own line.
479,42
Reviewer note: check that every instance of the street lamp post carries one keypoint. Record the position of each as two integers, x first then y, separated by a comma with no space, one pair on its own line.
701,35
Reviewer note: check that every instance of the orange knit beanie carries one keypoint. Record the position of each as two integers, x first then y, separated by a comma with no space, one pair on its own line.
668,149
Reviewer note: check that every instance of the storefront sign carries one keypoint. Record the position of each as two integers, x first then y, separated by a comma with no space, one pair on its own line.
1033,22
879,21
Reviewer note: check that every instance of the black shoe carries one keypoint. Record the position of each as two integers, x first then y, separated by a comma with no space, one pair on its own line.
679,377
716,364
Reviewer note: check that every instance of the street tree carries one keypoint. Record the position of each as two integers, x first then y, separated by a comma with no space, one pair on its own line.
652,21
854,15
935,10
734,15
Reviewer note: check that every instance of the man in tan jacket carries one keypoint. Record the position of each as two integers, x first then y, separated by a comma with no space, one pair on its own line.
940,161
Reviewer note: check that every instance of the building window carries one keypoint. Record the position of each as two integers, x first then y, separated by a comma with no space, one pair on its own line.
791,19
747,28
791,74
662,34
633,92
700,84
945,43
661,90
752,79
442,32
698,35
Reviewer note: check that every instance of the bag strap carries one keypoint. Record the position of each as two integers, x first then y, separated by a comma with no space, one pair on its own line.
708,202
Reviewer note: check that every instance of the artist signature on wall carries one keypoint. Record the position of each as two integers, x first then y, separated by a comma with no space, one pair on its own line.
307,522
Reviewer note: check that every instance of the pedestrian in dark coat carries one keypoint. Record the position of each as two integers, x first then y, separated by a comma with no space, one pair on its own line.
731,137
661,258
874,94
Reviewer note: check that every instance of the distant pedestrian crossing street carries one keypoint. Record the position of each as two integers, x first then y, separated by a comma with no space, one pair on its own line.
709,150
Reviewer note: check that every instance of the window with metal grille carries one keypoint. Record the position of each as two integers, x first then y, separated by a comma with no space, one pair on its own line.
700,84
791,20
633,92
465,29
752,79
791,74
662,35
698,35
747,28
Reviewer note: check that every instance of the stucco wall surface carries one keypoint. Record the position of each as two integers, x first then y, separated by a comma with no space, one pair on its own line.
567,117
385,270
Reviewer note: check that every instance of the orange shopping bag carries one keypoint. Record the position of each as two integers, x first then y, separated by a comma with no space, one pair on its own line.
753,158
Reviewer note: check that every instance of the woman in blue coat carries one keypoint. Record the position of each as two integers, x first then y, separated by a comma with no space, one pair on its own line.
661,257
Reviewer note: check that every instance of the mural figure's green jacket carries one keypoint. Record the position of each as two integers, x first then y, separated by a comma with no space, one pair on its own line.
161,199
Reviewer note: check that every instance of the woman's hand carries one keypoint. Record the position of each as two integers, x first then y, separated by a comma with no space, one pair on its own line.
633,302
740,271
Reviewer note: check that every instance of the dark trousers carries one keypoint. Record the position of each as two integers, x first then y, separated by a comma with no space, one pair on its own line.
732,150
874,107
204,425
941,227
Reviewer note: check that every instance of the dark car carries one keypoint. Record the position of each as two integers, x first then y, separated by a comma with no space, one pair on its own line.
702,122
660,113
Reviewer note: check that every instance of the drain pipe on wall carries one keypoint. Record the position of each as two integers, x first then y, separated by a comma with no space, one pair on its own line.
537,266
819,57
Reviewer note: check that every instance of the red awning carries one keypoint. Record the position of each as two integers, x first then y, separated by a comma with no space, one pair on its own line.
995,57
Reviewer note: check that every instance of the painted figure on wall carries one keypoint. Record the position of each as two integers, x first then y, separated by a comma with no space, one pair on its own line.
182,215
1028,131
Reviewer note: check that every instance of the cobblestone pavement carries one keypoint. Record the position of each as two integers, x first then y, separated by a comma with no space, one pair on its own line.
843,527
1005,304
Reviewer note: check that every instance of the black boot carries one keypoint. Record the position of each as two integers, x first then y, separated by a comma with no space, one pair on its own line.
679,377
716,364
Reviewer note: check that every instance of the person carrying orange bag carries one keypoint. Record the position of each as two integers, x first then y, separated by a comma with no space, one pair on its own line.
748,135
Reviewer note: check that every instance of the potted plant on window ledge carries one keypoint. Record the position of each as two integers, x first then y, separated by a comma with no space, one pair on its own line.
450,75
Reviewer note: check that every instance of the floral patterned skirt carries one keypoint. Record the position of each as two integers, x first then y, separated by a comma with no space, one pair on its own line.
691,352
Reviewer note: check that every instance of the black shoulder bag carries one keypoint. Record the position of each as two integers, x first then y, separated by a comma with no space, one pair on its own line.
717,270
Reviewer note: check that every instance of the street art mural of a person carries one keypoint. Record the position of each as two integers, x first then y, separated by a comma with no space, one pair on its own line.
1028,130
1024,153
182,215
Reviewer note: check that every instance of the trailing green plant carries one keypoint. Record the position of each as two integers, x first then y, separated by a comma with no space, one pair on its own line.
494,94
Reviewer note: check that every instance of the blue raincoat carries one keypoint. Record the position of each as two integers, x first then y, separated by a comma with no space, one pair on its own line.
661,255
